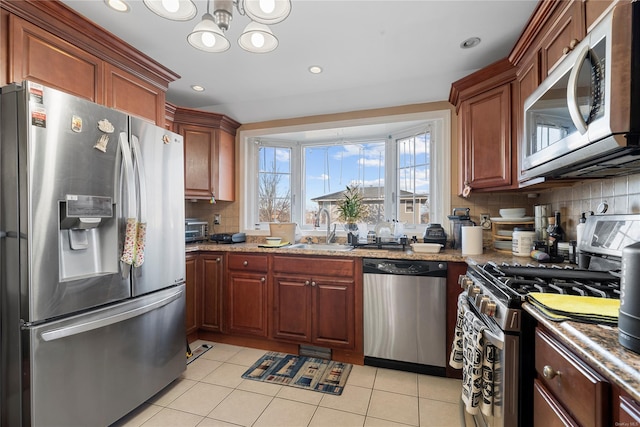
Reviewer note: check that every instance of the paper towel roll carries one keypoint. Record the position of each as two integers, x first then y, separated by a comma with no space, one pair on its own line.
471,240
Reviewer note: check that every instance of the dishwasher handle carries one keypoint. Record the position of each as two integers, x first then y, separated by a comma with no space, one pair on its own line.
404,267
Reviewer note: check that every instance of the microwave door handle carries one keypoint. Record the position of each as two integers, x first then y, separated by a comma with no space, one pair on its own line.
572,92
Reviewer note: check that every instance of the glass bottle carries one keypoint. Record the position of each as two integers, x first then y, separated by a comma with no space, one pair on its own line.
556,234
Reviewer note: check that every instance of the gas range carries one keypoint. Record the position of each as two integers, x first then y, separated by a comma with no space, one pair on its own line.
494,293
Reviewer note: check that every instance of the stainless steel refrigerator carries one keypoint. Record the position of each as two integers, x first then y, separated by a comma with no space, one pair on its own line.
92,259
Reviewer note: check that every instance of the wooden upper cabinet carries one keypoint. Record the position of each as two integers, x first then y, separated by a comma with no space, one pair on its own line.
35,54
594,9
561,34
130,94
198,161
209,153
49,43
484,103
486,138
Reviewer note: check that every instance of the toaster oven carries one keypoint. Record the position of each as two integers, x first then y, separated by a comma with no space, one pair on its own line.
195,230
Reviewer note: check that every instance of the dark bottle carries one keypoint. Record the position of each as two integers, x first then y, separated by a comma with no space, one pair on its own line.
556,234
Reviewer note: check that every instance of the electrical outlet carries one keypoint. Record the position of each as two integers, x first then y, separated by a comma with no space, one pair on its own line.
216,219
485,221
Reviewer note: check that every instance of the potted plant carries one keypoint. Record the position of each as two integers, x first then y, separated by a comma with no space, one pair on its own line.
351,208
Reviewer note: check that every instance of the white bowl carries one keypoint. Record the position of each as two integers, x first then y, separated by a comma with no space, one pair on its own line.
431,248
273,241
513,213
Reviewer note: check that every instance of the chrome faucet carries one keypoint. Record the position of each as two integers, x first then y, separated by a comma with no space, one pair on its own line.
331,236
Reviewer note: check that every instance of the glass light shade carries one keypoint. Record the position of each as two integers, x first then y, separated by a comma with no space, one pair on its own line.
185,11
117,5
207,36
257,38
267,11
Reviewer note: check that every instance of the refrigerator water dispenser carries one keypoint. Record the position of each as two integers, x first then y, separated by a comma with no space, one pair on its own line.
86,229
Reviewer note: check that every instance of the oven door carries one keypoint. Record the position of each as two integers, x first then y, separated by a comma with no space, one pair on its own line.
506,380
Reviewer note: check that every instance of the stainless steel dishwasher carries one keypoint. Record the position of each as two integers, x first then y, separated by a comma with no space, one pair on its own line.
405,315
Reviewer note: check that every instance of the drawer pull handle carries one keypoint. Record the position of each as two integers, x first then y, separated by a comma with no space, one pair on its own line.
245,263
549,373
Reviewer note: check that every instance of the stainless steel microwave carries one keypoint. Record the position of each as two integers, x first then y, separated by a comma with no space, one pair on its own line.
584,119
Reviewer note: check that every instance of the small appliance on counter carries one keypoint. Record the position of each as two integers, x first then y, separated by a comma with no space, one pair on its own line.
228,238
434,233
459,218
195,230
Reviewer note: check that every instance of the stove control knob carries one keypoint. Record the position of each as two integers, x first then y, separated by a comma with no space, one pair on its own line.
473,290
490,309
464,282
484,300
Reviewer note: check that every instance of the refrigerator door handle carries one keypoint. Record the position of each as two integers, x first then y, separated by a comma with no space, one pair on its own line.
142,194
68,331
129,249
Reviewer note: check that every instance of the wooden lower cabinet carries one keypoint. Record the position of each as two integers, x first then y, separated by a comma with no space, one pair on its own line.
315,310
212,282
567,391
192,284
246,295
314,301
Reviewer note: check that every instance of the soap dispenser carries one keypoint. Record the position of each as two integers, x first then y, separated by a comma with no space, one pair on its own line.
580,228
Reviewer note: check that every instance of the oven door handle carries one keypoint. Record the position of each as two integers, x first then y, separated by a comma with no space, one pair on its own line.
494,339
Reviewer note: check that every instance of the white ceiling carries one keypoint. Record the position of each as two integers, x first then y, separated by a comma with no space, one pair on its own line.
374,54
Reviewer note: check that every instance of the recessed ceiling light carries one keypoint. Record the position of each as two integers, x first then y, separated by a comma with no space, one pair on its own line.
118,5
197,88
315,69
470,42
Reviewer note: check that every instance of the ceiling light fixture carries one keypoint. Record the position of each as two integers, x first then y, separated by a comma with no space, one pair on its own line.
175,10
197,88
315,69
117,5
208,35
470,42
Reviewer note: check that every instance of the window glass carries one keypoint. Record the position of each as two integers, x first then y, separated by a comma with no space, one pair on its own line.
274,184
414,160
328,169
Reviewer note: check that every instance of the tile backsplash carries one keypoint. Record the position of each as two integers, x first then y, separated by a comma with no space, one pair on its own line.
621,195
228,211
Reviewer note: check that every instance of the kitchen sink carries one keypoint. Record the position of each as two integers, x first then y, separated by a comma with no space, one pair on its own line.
321,247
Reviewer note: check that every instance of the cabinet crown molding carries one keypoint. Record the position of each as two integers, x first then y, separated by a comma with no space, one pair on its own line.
496,74
194,117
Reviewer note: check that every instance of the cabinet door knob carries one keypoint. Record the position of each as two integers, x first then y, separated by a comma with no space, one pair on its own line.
306,283
262,279
549,373
245,263
313,283
218,259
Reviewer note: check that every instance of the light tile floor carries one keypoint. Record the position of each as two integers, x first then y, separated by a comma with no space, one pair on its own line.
212,393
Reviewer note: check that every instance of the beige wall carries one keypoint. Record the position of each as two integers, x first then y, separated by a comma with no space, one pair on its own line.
622,194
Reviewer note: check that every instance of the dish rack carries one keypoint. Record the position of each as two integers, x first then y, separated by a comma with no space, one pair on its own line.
502,232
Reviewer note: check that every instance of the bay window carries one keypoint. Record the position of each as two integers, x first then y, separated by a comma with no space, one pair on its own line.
402,176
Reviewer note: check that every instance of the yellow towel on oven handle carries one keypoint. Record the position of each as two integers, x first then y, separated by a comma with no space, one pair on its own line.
568,305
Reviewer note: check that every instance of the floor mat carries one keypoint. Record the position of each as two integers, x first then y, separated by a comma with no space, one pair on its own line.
197,352
325,376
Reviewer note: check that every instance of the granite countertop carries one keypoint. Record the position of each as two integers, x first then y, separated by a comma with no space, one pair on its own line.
598,345
450,255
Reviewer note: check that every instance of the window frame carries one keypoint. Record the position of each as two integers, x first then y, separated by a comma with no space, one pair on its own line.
440,121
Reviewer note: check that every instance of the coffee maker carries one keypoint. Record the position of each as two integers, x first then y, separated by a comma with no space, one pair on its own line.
459,218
